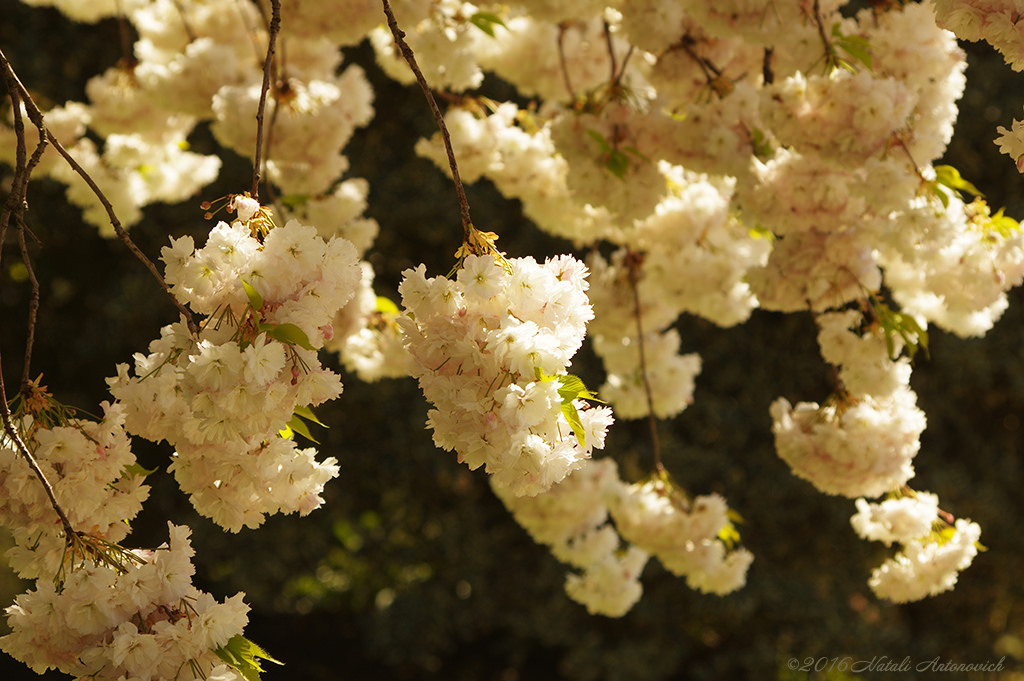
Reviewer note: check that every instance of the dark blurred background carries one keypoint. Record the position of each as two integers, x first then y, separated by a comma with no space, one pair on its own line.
413,570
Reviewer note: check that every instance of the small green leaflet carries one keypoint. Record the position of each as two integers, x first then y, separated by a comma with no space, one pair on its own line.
571,388
853,45
137,470
288,333
245,656
486,21
616,161
950,178
1003,225
297,425
295,200
255,299
386,306
902,325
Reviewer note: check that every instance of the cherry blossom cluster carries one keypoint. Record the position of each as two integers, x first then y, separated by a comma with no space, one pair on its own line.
608,529
98,610
571,518
863,440
933,551
221,398
141,618
491,347
731,155
95,479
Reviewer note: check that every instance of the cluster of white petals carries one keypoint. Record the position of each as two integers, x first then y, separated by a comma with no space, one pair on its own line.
489,348
900,519
607,529
94,477
932,553
572,519
927,566
222,398
685,535
863,441
141,620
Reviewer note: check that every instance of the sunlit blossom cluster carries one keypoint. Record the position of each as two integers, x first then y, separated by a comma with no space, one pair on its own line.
607,529
140,619
726,156
932,553
489,348
221,398
93,474
863,440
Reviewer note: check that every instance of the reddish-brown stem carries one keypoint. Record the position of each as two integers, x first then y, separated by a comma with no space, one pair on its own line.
36,116
268,64
19,445
633,262
410,59
563,65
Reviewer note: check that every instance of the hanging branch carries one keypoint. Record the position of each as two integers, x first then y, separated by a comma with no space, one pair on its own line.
15,438
633,262
611,54
563,65
268,64
15,207
36,116
399,35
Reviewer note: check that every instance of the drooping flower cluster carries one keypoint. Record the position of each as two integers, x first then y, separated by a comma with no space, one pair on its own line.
608,529
491,348
139,618
691,537
95,479
572,519
862,442
933,551
222,398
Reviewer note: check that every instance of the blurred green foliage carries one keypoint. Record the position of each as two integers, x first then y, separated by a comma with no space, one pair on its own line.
413,570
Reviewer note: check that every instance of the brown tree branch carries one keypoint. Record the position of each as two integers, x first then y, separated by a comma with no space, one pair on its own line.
410,58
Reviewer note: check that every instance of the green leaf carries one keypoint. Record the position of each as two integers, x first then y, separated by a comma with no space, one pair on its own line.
1003,225
295,200
729,535
307,413
854,45
255,299
573,417
570,388
486,21
599,138
386,306
617,163
245,656
288,333
137,470
297,425
903,325
948,176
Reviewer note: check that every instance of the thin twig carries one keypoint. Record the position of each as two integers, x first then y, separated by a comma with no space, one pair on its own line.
15,437
15,206
268,64
36,116
33,307
611,52
563,64
633,262
399,35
